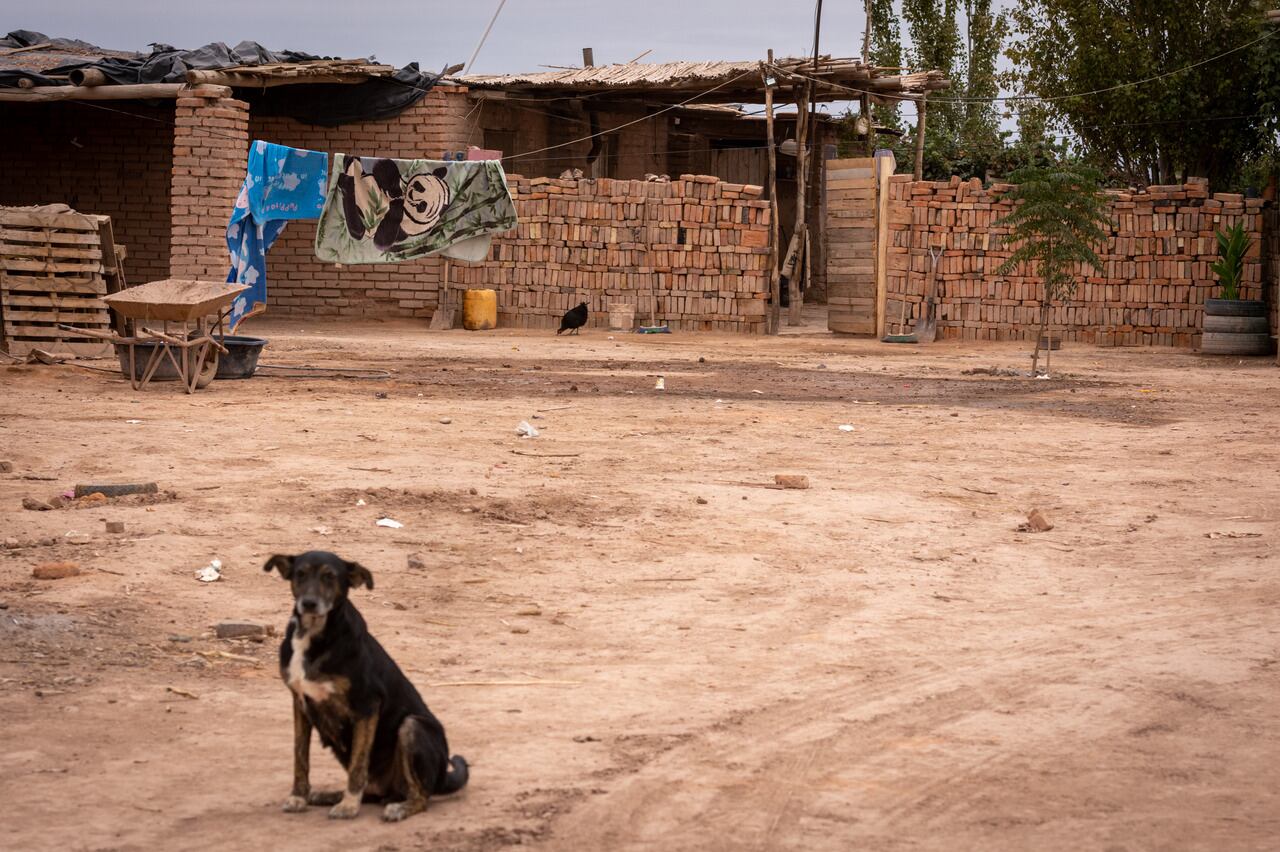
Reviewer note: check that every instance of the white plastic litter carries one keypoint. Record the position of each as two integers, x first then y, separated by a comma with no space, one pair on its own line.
133,422
389,523
210,573
526,430
361,502
661,384
846,427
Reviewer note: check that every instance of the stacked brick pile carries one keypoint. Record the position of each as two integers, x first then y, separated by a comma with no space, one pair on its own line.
694,252
210,150
1151,289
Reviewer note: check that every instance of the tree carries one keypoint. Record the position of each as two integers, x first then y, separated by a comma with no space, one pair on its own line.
962,132
1058,217
935,46
886,51
980,135
1202,121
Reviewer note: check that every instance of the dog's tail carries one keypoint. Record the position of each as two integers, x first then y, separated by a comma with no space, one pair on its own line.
456,778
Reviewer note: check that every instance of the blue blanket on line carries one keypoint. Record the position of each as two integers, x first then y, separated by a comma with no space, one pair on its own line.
281,183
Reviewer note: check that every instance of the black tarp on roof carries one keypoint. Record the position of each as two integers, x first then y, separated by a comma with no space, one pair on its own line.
327,105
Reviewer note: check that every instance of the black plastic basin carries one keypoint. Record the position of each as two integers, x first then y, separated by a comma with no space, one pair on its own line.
241,358
239,362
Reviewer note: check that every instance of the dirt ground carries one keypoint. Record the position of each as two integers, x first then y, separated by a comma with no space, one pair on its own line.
636,645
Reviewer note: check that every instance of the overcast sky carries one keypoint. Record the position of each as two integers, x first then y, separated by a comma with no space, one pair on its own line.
528,33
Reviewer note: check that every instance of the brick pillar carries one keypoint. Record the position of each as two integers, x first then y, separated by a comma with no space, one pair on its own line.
449,123
210,151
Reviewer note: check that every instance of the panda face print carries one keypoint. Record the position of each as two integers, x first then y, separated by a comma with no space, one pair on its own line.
425,197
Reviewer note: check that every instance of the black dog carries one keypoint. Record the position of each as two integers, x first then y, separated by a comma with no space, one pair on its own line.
347,687
574,318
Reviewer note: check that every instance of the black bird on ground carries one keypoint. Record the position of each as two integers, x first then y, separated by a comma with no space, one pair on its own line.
574,319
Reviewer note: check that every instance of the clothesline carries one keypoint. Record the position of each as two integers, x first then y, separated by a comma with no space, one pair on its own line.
370,210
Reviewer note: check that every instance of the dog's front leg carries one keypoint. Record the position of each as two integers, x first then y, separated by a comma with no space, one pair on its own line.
358,768
297,801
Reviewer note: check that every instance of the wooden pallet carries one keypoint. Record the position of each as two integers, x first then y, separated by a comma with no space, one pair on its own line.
52,272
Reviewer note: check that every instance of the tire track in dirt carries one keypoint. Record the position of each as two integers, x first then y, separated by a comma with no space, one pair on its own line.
793,736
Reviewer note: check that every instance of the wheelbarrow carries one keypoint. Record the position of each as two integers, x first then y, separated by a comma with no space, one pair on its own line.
197,308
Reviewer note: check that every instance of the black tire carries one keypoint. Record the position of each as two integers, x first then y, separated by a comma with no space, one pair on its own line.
1235,308
1222,343
1236,325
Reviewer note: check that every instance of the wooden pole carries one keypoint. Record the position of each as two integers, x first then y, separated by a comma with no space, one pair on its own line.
88,77
870,138
795,280
41,94
775,292
919,172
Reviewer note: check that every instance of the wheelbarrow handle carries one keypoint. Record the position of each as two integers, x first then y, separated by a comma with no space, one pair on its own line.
93,332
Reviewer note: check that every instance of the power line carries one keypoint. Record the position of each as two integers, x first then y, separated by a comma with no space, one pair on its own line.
1045,99
484,37
630,123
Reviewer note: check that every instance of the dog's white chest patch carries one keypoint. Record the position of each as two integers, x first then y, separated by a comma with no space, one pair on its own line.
316,690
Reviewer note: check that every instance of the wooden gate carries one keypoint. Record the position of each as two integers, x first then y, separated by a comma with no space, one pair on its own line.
851,245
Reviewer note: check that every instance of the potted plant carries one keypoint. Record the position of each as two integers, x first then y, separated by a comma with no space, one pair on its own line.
1234,326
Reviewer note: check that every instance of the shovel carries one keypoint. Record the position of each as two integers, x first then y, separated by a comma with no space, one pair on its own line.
926,330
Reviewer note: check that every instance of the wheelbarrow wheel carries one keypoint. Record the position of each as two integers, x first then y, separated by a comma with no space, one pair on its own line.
207,369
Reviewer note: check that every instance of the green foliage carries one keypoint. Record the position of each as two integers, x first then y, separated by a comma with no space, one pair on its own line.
1203,121
1058,218
960,138
886,51
1233,244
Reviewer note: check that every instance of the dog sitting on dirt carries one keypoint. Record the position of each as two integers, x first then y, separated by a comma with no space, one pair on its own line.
346,686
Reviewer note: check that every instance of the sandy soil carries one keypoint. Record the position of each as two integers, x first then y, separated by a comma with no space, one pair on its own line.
878,662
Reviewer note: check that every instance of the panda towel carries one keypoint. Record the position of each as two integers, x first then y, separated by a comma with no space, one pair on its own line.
386,211
280,184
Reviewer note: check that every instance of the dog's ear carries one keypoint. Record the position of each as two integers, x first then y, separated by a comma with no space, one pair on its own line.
281,563
358,575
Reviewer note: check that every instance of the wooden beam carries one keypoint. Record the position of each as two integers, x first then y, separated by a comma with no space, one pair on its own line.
775,292
44,94
884,168
800,238
15,50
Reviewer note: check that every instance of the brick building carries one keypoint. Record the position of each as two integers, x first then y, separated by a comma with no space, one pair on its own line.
166,160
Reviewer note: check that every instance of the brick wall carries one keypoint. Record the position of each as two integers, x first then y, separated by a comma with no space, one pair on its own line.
697,245
210,150
1151,289
97,161
300,284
